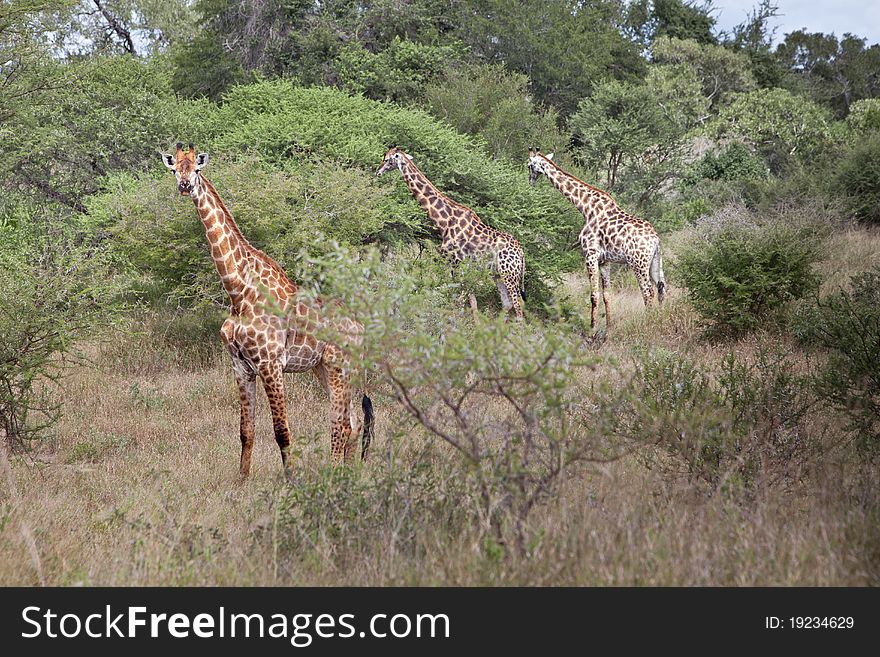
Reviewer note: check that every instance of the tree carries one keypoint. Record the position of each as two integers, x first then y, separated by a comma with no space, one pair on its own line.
685,19
721,71
780,124
641,125
754,37
489,102
833,72
563,46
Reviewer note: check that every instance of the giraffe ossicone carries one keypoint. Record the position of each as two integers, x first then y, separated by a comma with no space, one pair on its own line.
463,234
610,235
270,331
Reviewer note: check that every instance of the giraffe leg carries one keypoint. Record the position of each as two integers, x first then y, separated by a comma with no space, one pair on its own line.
606,285
273,384
342,440
593,275
247,397
515,299
472,299
646,286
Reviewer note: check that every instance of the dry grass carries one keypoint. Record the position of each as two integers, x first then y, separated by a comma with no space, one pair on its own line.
139,487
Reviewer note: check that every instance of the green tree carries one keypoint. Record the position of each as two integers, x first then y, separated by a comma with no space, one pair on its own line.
833,72
563,46
685,19
721,71
641,126
489,102
780,124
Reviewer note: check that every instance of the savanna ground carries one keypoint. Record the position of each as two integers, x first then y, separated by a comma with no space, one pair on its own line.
139,486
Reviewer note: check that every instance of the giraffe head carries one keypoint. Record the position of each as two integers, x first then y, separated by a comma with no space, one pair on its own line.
186,166
393,158
538,164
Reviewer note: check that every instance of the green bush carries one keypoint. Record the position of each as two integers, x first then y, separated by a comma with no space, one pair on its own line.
857,178
735,424
847,324
56,288
741,272
734,163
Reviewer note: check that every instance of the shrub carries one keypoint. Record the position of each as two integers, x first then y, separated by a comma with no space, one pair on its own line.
847,324
741,272
857,178
736,424
734,163
446,371
55,288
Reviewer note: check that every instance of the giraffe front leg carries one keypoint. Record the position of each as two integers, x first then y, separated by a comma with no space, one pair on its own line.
247,397
342,439
645,286
472,299
273,384
606,285
593,276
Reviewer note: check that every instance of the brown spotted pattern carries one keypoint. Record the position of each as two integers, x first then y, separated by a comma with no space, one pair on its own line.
269,332
463,234
609,235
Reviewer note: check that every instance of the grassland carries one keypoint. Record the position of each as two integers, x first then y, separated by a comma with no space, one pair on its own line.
138,487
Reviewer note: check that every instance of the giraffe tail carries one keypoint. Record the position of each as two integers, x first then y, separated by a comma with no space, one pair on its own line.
369,420
522,282
657,273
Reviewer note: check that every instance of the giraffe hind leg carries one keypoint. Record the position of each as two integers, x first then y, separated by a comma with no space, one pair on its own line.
605,271
273,384
247,396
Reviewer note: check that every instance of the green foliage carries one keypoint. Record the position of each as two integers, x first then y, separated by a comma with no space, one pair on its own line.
847,324
488,102
684,19
279,211
863,117
834,73
721,72
741,272
778,123
280,121
857,179
639,128
735,427
735,162
564,46
56,288
114,117
398,73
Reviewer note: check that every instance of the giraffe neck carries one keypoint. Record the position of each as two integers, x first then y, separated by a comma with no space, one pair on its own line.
584,197
229,248
441,210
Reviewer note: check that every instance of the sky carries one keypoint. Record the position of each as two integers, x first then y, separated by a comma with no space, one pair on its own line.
860,17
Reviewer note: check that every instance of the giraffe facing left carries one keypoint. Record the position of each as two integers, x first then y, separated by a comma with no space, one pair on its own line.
270,331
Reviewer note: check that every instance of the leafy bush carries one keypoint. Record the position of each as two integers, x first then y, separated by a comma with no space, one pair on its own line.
736,424
733,163
847,324
445,369
857,178
489,102
741,272
56,287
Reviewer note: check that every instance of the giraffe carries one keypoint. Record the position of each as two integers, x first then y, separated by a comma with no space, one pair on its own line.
270,332
610,234
464,234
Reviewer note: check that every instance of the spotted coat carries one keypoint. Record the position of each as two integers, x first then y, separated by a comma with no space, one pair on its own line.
269,331
463,234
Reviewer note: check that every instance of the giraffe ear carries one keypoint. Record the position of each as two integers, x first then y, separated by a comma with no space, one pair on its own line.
408,156
550,156
168,161
201,160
